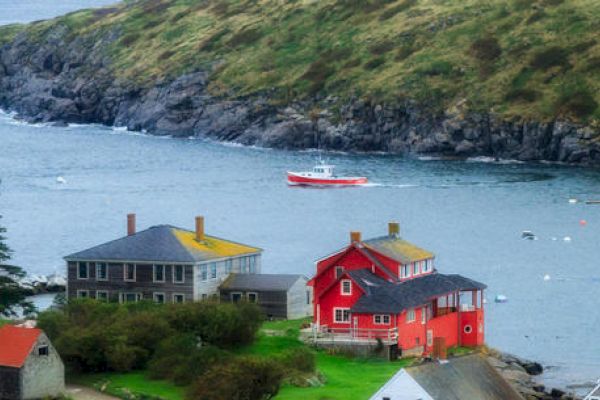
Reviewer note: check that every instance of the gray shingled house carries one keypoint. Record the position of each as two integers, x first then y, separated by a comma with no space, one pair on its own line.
460,378
279,295
162,263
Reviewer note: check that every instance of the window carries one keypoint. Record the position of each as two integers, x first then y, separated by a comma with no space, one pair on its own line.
383,319
404,271
341,315
416,268
252,264
101,272
129,272
159,273
159,298
339,270
236,297
204,296
244,265
308,297
178,298
178,273
427,265
82,270
423,315
43,351
346,287
204,272
213,270
83,294
130,297
252,297
410,315
228,266
102,295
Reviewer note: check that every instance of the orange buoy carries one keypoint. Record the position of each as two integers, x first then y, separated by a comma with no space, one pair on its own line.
582,222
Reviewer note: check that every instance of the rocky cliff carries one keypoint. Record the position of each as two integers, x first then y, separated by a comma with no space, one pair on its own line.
65,77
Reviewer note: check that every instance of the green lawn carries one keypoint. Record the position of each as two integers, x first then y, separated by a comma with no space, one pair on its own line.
345,378
119,384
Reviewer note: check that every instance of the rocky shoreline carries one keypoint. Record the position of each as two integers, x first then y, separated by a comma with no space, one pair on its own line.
69,80
521,373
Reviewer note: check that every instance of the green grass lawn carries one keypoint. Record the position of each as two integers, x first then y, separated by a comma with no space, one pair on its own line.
345,378
119,384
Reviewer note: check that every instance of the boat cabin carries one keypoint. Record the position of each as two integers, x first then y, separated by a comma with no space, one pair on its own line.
323,170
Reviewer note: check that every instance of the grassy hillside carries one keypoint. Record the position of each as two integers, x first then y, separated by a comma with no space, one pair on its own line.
531,59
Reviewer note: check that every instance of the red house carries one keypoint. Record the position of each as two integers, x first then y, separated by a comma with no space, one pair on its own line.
389,289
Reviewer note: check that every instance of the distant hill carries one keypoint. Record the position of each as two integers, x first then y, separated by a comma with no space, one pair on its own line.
519,60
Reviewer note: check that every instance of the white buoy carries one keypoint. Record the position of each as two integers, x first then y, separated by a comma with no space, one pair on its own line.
546,277
61,180
572,201
567,238
501,298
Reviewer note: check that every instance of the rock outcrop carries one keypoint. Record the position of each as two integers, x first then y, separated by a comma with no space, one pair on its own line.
58,78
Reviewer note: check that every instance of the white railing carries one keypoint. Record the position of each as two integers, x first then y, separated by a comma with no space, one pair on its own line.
355,334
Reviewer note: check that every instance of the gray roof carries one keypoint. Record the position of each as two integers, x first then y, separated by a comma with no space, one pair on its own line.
385,297
163,243
468,377
261,282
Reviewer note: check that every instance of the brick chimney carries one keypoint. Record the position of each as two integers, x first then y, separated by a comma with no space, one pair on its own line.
354,236
394,229
200,228
130,224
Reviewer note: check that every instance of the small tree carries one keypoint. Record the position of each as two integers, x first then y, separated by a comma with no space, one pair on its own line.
12,296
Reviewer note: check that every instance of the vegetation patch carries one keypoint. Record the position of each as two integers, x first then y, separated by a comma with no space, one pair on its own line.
397,9
554,56
374,63
577,102
486,49
245,37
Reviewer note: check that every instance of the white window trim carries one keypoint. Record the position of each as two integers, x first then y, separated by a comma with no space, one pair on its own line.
403,268
408,313
101,279
173,268
417,265
342,287
102,291
209,271
382,319
164,279
255,295
174,296
201,277
123,296
423,315
155,294
233,293
87,267
87,294
335,309
134,272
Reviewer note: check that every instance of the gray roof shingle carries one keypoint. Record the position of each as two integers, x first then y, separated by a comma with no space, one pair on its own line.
261,282
386,297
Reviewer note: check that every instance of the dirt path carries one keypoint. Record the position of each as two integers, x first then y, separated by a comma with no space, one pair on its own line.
77,392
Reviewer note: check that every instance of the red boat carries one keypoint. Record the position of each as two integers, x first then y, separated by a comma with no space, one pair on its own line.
322,175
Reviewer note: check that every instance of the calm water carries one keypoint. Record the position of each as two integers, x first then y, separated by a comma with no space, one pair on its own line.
471,214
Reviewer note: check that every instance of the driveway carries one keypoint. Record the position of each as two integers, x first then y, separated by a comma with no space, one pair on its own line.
77,392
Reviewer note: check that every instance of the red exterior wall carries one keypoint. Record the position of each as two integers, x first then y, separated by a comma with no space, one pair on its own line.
411,334
333,298
473,319
445,326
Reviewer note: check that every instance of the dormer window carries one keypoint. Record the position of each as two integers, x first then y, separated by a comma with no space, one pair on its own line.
428,265
416,268
339,270
43,350
404,271
346,287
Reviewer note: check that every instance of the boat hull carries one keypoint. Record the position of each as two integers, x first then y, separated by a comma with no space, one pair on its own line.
297,179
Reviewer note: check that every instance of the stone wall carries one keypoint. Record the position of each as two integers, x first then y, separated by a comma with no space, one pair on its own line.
43,376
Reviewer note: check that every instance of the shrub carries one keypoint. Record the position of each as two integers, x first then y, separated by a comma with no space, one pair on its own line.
317,73
382,47
209,43
130,39
526,95
374,63
486,49
579,103
582,47
299,359
397,9
404,52
437,68
593,64
536,16
554,56
353,63
244,379
245,37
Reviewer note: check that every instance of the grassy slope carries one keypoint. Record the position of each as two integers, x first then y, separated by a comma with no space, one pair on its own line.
346,378
435,51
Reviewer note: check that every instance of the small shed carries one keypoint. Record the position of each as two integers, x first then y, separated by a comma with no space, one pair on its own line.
280,296
30,367
460,378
